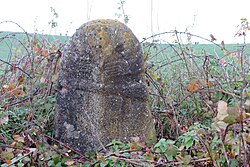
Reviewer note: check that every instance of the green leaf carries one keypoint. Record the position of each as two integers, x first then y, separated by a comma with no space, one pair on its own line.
103,164
20,164
51,99
248,77
160,142
115,142
56,158
58,164
48,106
233,163
97,165
189,142
87,164
158,150
170,142
27,159
218,96
47,157
169,157
163,148
51,163
172,150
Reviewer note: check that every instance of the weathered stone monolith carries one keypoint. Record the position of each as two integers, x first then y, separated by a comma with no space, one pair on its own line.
101,88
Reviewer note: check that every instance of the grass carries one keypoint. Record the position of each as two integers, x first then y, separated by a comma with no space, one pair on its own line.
10,41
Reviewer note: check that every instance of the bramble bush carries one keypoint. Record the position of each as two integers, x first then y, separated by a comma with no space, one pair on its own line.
199,98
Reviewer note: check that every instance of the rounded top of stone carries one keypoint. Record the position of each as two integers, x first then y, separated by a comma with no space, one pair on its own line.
108,36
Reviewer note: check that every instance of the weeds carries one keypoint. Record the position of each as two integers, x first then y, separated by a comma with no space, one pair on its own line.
199,98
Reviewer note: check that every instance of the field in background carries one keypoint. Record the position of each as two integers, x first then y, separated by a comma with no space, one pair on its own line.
11,42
